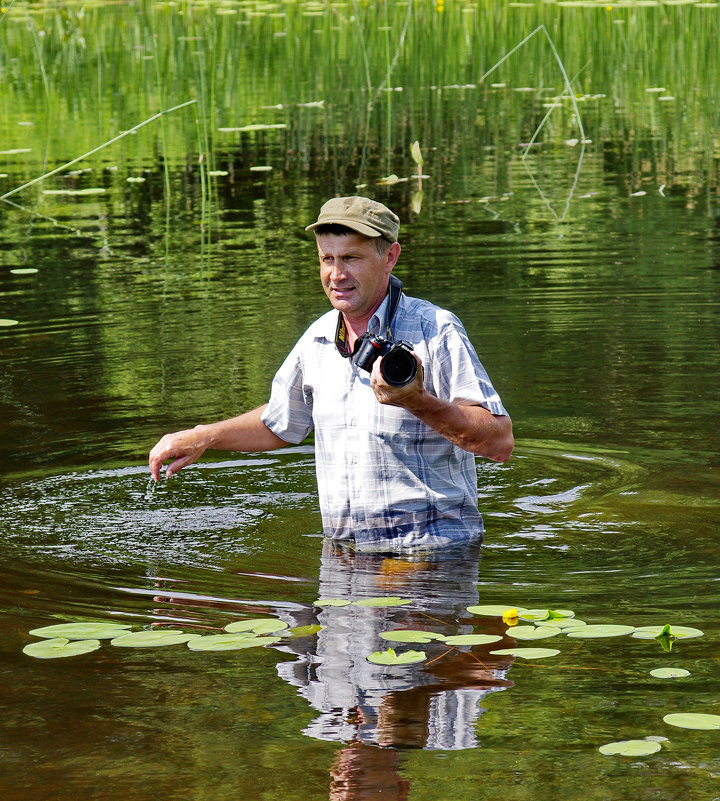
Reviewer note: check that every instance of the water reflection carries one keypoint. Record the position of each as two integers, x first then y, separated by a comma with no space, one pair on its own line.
435,705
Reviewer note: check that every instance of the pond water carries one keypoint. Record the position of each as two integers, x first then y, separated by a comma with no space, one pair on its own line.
160,282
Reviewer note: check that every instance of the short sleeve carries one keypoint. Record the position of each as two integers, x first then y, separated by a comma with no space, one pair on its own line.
289,413
458,374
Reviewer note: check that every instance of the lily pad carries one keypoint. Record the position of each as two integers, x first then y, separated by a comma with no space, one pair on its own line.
258,625
60,647
631,748
389,600
600,630
527,653
564,623
493,610
228,642
152,638
389,657
532,632
411,635
546,614
472,639
303,631
675,632
82,631
332,602
693,720
669,673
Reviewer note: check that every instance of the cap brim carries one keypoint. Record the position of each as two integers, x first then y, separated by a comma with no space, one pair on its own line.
361,228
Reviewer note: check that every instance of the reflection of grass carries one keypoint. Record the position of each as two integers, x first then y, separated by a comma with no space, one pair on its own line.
257,65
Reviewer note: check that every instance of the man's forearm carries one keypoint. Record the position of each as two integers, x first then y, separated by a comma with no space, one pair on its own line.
472,428
244,433
247,433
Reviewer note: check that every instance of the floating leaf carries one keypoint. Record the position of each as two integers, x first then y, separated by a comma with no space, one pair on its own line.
493,610
532,632
389,657
60,647
564,623
7,323
472,639
631,748
152,638
527,653
411,635
693,720
24,270
416,153
257,127
228,642
669,673
546,614
93,190
390,600
303,631
600,630
83,631
675,632
332,602
258,625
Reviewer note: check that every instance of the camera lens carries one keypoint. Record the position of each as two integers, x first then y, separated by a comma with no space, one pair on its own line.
398,367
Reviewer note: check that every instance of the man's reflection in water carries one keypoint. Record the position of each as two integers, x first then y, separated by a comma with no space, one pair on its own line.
375,709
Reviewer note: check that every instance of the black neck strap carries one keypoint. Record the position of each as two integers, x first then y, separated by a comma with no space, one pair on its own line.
394,292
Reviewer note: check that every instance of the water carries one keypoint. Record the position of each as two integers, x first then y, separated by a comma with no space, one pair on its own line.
150,312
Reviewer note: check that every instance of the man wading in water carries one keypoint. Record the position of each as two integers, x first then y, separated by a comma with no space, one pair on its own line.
397,397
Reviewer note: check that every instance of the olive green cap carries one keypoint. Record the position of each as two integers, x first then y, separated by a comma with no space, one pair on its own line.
367,217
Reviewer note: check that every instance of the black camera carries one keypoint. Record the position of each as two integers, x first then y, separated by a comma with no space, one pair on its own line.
398,367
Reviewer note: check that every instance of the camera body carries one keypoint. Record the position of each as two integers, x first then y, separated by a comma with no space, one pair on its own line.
398,366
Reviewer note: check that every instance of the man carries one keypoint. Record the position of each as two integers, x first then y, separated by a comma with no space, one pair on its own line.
395,464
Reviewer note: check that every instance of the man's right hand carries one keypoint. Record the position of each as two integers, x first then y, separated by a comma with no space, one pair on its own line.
184,447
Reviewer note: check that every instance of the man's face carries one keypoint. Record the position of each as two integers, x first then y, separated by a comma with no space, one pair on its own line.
353,274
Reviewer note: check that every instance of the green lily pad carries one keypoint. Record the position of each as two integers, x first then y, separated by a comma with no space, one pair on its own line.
675,632
546,614
600,630
389,600
693,720
258,625
94,190
472,639
303,631
389,657
527,653
532,632
82,631
59,647
669,673
152,638
228,642
411,635
494,610
332,602
631,748
564,623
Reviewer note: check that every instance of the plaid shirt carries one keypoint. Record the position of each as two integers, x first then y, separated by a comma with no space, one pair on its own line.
386,480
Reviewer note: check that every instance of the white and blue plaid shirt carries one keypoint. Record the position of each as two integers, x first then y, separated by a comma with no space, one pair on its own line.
386,480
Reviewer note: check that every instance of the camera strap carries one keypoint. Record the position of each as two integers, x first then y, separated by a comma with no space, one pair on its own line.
394,292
